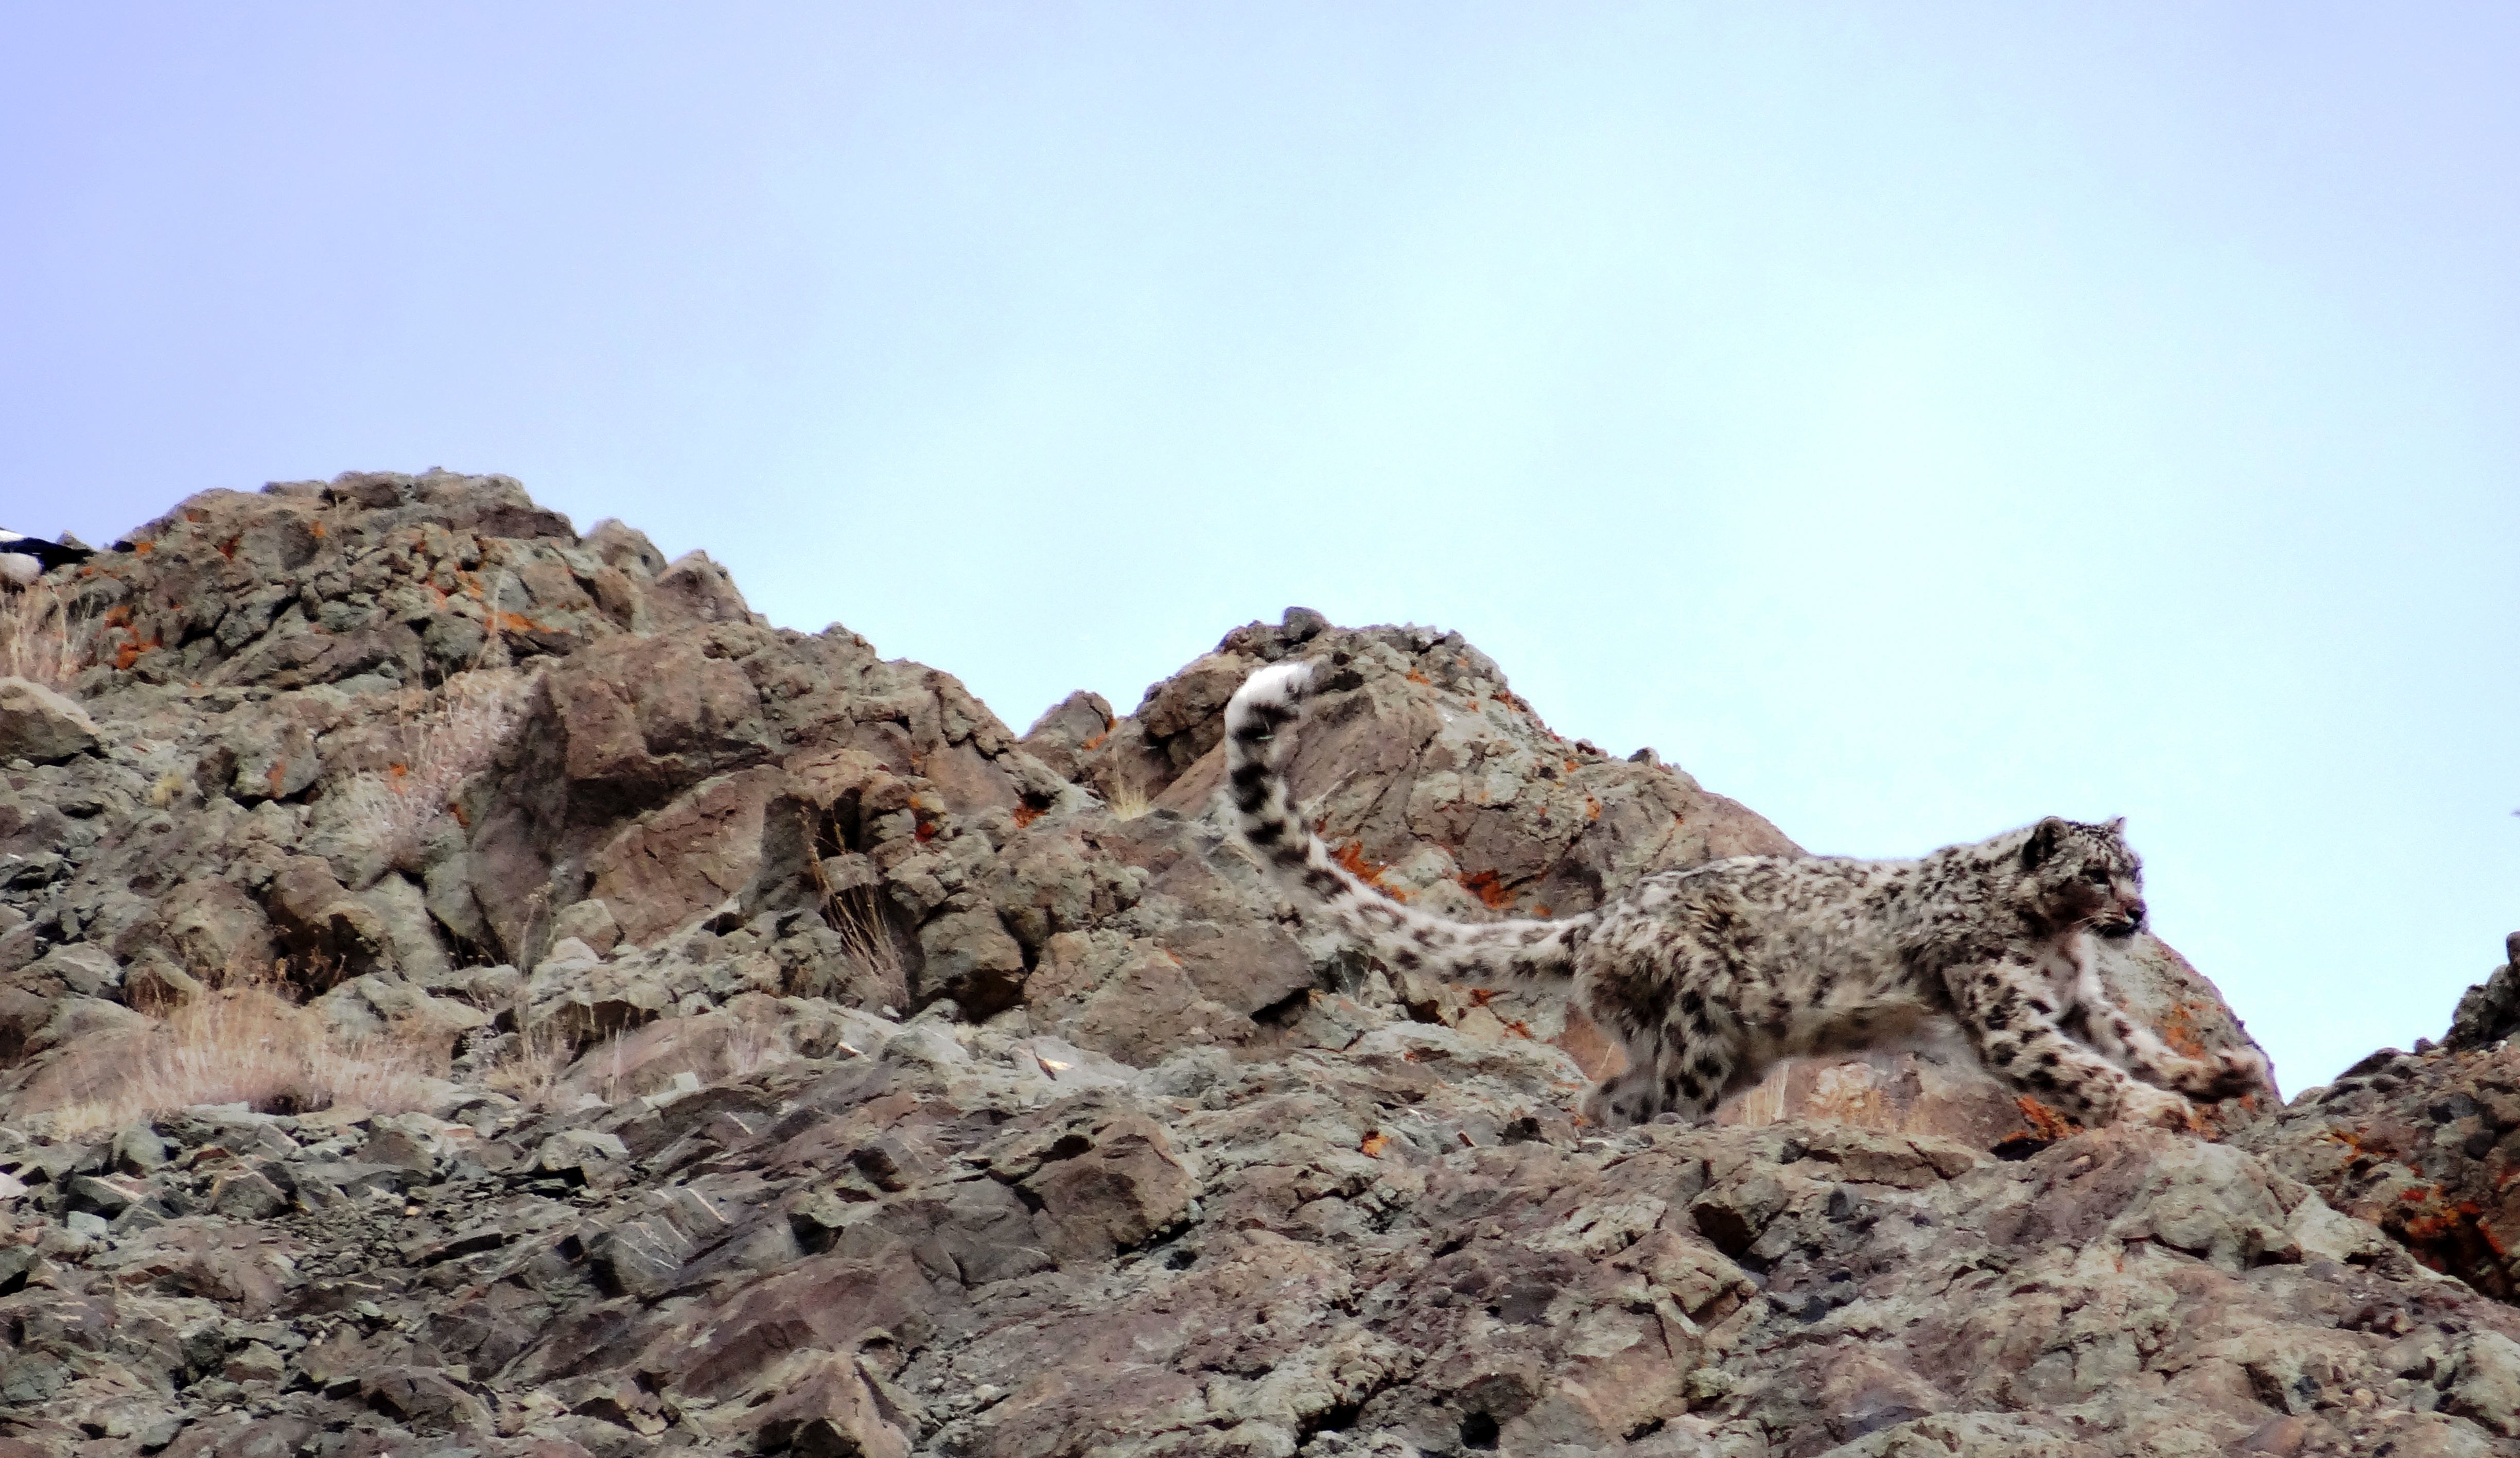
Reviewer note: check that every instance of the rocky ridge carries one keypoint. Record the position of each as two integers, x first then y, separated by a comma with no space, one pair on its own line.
788,1057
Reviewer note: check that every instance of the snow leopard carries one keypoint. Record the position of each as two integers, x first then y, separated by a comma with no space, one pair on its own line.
1708,976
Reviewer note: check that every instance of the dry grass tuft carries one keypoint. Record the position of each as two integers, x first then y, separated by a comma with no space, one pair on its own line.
752,1047
474,715
43,638
712,1048
858,917
1128,800
532,1064
234,1045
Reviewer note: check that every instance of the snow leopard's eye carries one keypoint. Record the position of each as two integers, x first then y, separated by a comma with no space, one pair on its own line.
2100,873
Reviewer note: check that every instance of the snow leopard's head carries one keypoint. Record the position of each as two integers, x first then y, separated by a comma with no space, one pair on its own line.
2084,876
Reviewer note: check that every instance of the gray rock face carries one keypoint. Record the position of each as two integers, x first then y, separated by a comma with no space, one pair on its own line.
716,1037
952,1240
2425,1144
38,724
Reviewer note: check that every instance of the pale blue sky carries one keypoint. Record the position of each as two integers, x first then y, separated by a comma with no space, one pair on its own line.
1911,419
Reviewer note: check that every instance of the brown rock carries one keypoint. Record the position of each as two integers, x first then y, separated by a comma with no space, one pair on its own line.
969,957
684,860
2425,1146
213,926
204,1256
39,724
1069,730
694,590
832,1404
329,933
424,1399
273,762
1101,1178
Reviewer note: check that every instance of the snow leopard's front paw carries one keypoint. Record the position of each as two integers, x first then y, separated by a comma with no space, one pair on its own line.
2226,1074
1618,1103
2154,1109
2244,1071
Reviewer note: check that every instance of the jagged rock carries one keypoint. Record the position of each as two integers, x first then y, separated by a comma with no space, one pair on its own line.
272,765
214,928
582,1153
1068,731
878,1081
2424,1144
2489,1010
590,924
84,970
688,857
39,724
830,1405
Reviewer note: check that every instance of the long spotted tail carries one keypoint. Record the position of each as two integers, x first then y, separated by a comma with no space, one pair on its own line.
1259,736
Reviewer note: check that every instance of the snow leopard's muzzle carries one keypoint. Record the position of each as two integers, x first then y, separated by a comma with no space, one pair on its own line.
2127,921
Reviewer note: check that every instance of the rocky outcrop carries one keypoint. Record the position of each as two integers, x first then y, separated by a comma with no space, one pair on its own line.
675,1032
1428,777
943,1238
2425,1144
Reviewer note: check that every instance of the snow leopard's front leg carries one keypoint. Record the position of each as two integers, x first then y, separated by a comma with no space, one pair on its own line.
1621,1100
1673,1074
2010,1012
2225,1073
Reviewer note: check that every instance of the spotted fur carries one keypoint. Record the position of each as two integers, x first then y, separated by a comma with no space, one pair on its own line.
1708,976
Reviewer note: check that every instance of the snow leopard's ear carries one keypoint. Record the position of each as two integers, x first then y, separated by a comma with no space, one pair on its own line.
2116,827
2044,838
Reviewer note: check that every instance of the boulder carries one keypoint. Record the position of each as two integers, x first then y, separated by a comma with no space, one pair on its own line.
36,723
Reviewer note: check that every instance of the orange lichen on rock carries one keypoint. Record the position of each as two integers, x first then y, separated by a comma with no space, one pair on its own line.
1489,888
2179,1029
2045,1121
1351,856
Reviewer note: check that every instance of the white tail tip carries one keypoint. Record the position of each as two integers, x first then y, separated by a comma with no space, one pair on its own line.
1277,686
